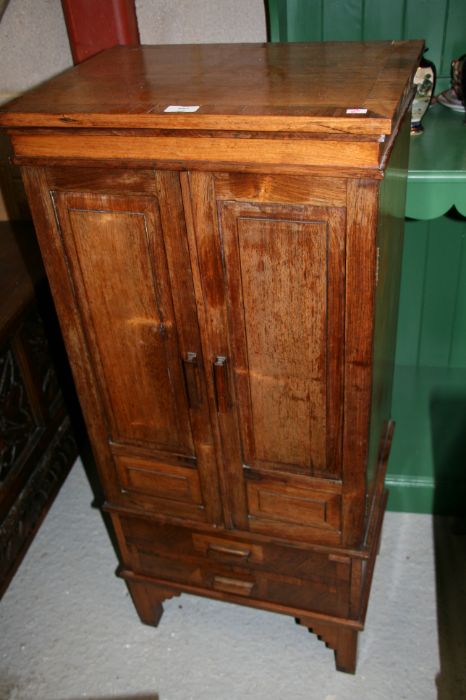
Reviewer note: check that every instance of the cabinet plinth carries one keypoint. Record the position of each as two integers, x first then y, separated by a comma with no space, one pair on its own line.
226,276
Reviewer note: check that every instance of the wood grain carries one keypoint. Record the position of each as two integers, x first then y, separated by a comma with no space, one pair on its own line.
277,266
209,258
305,189
303,152
128,302
247,86
360,285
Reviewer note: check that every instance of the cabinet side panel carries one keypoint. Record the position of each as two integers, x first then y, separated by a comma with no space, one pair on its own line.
389,258
360,293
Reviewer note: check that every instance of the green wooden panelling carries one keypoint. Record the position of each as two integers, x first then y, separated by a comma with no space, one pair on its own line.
384,20
276,20
458,341
440,22
426,468
426,19
342,20
411,292
455,34
306,20
442,274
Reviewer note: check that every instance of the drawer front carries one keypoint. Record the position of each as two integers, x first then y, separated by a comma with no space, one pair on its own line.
310,595
238,565
319,596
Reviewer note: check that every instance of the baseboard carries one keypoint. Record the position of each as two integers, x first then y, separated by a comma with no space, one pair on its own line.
424,494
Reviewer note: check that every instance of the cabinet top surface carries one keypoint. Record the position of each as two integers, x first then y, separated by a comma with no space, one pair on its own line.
271,87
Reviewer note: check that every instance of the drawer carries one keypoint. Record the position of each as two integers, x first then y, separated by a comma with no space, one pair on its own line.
317,596
275,558
231,581
241,551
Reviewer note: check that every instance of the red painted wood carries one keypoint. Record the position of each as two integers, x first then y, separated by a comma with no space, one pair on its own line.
94,26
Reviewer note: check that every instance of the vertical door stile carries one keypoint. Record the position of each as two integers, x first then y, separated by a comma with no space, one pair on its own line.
175,226
199,202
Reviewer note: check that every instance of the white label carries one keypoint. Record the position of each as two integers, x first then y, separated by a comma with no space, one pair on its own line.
182,108
361,110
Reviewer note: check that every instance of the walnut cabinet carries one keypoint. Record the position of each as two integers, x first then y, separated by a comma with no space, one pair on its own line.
226,275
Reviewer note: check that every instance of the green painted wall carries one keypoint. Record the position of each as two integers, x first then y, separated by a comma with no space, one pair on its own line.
426,471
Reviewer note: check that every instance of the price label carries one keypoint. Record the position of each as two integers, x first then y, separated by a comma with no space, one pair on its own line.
182,108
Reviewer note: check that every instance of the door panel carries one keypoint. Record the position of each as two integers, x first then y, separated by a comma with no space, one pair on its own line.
279,508
127,262
275,338
115,249
283,270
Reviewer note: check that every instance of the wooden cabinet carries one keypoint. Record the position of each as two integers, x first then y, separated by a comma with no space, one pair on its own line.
222,230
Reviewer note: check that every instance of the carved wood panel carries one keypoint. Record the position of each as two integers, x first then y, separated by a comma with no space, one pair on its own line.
17,421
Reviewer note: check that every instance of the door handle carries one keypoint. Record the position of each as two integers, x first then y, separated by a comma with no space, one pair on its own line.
222,384
192,379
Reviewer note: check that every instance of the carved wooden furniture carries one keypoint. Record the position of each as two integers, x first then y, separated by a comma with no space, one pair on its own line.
37,445
222,230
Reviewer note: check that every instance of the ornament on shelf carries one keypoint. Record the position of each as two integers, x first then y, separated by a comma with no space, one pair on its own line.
424,81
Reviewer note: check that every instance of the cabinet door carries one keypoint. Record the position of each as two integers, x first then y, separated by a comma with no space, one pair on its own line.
125,246
276,342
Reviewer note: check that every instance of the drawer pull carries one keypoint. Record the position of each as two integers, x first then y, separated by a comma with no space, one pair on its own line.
219,550
192,379
222,385
233,585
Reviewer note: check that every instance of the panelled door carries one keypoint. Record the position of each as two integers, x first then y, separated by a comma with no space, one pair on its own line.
125,245
276,338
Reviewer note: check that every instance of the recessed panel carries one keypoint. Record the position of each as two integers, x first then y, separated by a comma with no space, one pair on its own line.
117,259
283,277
